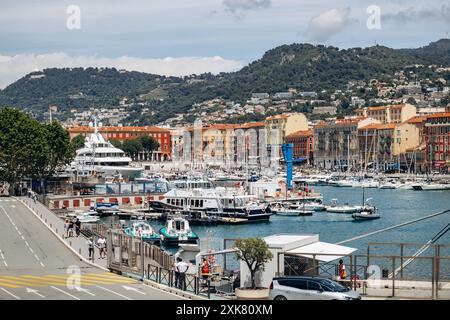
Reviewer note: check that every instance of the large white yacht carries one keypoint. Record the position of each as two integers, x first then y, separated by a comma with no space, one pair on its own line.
218,202
100,159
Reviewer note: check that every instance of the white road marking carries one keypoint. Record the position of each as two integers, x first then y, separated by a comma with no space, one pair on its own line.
66,293
84,290
113,292
35,292
12,295
133,289
26,242
3,258
43,265
23,238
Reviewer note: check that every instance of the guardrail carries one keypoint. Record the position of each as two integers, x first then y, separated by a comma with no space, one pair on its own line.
192,283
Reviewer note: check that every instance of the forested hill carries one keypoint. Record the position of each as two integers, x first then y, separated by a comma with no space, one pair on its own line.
303,66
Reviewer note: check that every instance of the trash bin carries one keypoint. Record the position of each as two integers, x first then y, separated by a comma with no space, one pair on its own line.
385,273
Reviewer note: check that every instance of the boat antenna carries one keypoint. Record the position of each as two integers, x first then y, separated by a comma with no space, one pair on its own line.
363,195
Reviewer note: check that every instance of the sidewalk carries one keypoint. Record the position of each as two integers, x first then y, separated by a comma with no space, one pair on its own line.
79,244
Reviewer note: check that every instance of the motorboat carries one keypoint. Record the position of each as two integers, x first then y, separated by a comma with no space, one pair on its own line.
430,186
176,231
312,205
283,209
142,229
217,202
344,183
86,217
389,185
334,207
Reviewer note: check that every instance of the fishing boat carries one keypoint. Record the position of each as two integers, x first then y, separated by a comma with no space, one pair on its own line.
334,207
176,231
142,229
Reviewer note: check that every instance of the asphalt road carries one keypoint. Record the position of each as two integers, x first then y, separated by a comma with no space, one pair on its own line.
35,265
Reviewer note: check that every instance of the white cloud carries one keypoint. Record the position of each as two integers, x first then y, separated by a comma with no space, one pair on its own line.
238,7
328,23
14,67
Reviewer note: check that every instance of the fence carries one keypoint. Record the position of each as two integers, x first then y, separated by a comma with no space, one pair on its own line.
124,256
192,284
386,275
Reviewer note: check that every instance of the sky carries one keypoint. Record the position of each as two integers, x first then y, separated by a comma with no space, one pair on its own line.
182,37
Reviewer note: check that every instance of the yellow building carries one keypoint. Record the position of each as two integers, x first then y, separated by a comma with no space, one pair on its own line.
397,113
279,126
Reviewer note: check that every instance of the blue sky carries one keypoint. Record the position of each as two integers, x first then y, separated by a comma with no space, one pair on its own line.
180,37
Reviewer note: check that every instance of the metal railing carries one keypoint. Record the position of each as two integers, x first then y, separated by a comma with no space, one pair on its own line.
192,283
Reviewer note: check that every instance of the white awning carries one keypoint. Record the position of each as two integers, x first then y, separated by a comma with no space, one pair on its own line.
324,251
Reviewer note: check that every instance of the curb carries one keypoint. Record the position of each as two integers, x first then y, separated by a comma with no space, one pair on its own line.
173,291
61,239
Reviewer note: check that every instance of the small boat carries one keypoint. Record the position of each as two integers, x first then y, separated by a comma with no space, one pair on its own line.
430,186
346,208
232,220
344,183
389,185
366,215
86,217
143,230
285,210
314,206
176,231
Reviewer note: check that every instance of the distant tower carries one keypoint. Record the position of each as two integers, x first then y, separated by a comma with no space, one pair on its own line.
50,109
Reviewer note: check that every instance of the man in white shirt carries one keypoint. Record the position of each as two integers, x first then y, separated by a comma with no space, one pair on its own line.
181,267
101,243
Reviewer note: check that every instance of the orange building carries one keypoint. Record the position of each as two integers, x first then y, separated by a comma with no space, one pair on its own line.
303,145
124,133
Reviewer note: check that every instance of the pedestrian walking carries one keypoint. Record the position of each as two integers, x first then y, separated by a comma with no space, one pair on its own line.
70,230
182,267
77,227
66,228
90,245
101,243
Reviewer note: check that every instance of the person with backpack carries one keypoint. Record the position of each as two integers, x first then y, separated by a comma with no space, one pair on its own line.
90,245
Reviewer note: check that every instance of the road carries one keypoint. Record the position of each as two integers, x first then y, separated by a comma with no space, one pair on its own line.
34,264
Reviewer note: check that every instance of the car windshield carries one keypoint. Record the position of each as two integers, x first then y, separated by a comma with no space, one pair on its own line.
334,286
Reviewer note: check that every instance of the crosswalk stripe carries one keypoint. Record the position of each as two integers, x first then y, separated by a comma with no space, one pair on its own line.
61,280
8,285
87,280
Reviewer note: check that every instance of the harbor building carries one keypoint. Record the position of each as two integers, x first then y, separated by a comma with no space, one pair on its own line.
336,143
303,146
162,136
436,134
389,114
280,126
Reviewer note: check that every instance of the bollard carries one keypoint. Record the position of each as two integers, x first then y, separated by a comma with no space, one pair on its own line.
50,225
45,220
56,230
70,243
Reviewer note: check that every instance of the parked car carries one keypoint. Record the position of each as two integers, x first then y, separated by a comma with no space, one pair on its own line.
309,288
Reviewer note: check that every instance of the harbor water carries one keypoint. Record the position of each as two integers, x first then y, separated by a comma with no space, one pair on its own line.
394,205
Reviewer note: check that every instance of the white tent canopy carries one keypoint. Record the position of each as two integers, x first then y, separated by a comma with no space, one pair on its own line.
329,251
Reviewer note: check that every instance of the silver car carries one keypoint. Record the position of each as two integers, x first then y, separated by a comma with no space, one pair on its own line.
309,288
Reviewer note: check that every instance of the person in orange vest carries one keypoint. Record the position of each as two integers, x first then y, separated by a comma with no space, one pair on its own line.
205,269
342,272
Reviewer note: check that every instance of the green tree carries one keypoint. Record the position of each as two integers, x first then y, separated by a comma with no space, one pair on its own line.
255,253
116,143
22,143
149,143
132,147
77,142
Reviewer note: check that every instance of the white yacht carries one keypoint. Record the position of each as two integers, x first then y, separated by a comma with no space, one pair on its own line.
100,159
217,202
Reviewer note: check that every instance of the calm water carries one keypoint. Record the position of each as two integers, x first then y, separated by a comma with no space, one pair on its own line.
395,206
